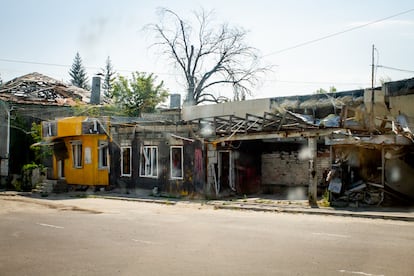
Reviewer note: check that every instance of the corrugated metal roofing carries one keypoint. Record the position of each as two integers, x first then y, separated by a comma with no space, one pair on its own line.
35,88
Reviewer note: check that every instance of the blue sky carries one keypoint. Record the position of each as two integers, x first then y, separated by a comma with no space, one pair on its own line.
46,31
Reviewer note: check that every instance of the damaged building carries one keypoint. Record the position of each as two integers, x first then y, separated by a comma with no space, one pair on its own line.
355,144
23,100
373,160
273,145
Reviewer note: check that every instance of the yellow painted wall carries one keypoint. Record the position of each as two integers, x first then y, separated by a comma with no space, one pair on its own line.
89,173
70,129
71,126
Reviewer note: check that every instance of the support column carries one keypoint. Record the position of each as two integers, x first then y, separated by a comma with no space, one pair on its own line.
313,181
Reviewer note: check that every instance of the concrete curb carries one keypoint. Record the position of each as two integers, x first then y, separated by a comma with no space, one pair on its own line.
145,200
225,205
275,209
314,212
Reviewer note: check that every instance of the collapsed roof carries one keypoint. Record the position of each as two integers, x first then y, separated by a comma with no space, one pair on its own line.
35,88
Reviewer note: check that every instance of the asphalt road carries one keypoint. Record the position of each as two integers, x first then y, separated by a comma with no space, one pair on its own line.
110,237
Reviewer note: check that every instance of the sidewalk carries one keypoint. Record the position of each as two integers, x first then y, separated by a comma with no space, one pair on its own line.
265,203
303,207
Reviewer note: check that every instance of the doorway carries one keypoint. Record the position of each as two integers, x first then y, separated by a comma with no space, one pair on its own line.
225,171
61,168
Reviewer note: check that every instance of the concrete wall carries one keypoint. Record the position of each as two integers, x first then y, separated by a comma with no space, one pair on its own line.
240,108
390,106
404,105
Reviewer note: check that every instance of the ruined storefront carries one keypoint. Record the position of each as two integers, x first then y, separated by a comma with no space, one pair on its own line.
263,145
375,164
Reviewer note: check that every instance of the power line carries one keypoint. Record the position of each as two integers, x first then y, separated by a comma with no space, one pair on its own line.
317,82
33,62
337,33
68,66
396,69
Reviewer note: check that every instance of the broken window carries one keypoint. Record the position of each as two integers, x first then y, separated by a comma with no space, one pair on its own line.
77,154
126,161
49,129
149,161
102,154
176,162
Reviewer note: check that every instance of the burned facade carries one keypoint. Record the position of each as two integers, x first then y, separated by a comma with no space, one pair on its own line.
355,144
159,154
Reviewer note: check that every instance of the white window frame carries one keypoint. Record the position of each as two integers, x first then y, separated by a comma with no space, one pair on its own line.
122,160
77,154
147,162
103,154
49,129
173,175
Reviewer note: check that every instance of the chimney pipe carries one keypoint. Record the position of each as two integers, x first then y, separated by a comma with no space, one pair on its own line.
96,90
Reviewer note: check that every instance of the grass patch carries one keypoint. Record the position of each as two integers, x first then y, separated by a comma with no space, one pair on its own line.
324,202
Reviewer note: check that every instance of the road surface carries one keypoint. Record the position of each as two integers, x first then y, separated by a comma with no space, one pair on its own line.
109,237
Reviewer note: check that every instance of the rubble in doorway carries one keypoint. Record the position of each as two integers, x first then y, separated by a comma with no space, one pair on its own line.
371,170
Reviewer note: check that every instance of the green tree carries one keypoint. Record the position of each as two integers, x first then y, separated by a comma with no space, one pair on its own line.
108,78
78,73
208,55
138,94
384,79
332,89
40,153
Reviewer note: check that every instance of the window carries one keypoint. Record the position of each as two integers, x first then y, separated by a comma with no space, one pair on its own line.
77,154
176,162
102,154
149,161
49,129
126,161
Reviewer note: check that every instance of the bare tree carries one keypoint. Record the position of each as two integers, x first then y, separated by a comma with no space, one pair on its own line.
208,55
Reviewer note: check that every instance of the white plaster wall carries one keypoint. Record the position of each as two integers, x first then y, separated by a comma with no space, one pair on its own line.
240,108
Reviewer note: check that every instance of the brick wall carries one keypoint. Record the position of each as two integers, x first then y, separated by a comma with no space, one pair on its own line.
286,169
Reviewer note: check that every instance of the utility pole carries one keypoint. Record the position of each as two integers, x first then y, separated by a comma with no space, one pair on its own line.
313,181
372,116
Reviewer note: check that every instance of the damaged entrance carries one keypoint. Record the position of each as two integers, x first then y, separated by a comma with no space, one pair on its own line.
371,171
225,171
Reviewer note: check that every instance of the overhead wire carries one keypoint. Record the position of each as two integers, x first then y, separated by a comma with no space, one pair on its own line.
269,54
337,33
396,69
68,66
